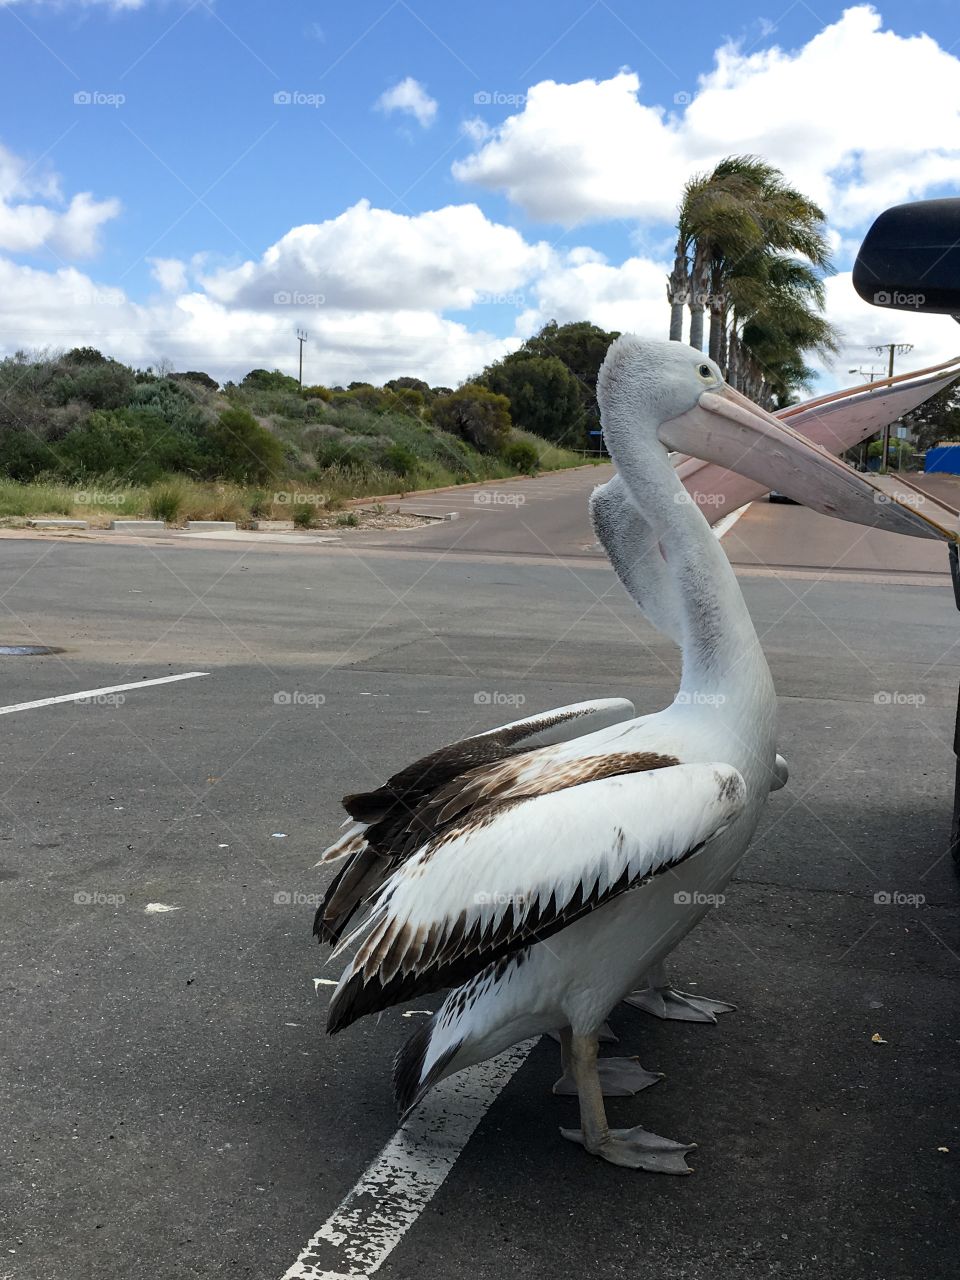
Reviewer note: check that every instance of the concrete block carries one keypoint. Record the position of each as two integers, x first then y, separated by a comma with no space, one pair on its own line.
138,526
57,524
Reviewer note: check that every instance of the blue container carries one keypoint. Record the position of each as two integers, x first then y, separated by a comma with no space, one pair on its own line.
944,457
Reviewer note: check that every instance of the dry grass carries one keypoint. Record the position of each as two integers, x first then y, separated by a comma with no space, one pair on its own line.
178,498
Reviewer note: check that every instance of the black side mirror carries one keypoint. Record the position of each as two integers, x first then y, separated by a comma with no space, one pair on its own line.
910,259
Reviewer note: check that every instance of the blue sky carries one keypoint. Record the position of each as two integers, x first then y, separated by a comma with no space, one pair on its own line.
190,162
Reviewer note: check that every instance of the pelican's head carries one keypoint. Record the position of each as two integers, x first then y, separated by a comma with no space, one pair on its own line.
669,393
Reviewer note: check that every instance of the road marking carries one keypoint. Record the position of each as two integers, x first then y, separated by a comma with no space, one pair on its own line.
96,693
373,1218
726,524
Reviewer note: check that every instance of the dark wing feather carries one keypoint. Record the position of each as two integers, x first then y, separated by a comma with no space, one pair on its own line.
401,814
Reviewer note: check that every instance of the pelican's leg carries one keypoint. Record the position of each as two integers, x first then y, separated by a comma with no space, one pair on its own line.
606,1035
663,1001
633,1148
619,1077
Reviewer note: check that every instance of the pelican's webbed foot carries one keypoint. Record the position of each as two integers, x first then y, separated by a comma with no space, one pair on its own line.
637,1149
619,1078
677,1006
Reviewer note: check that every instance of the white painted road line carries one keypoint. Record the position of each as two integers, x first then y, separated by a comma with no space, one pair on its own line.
726,524
374,1217
96,693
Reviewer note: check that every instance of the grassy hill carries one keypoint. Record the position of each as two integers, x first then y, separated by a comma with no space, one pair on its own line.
83,434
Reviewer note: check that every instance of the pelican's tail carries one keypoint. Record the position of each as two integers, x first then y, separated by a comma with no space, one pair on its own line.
423,1062
475,1022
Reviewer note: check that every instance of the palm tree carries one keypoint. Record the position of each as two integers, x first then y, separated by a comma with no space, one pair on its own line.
731,223
717,219
776,317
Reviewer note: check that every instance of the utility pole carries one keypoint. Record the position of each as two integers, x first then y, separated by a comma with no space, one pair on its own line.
302,337
868,375
901,349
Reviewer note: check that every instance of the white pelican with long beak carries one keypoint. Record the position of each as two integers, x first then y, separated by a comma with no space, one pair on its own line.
540,872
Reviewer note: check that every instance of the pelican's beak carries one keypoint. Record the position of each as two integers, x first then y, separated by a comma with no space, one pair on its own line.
726,428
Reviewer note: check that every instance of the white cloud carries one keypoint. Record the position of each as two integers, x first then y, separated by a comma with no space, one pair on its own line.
629,298
26,225
369,259
169,273
859,118
370,286
864,327
581,151
67,308
411,98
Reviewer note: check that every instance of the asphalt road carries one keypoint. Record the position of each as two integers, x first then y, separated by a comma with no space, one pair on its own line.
173,1106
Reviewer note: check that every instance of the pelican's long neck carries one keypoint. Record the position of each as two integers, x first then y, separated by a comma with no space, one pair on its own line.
721,652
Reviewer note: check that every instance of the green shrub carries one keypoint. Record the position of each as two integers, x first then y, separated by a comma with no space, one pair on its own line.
84,355
165,502
476,415
196,375
264,380
107,385
238,448
544,395
398,460
23,455
348,520
303,515
523,455
108,441
261,504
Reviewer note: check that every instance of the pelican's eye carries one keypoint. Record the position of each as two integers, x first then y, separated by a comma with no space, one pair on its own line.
705,371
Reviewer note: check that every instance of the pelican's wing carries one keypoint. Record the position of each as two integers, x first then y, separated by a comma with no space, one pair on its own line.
516,871
384,818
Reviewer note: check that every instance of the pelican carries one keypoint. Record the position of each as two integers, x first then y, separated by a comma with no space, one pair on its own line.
540,870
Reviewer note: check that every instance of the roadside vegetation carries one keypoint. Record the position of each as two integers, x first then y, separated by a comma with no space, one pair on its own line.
83,435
